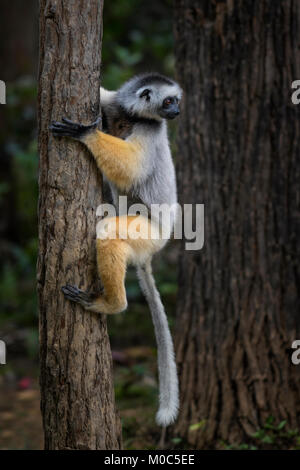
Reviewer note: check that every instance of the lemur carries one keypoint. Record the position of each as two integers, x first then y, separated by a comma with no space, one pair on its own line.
135,158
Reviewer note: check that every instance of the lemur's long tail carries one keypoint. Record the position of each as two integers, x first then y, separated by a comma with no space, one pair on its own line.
168,380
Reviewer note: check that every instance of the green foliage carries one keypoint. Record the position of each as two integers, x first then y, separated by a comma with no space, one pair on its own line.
176,440
19,115
277,435
238,446
197,426
25,165
18,200
130,384
131,46
270,436
32,342
17,286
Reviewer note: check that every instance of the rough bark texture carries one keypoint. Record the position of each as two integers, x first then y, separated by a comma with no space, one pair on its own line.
239,146
76,368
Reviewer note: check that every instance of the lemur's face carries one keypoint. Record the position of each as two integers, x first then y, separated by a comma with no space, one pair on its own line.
169,107
158,102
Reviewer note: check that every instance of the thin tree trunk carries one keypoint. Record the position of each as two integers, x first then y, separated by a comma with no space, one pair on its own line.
77,400
239,147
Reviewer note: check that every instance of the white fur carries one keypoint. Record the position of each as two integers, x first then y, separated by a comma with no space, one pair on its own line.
128,96
106,96
155,184
158,93
168,380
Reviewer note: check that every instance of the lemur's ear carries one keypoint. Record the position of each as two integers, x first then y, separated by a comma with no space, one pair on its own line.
146,92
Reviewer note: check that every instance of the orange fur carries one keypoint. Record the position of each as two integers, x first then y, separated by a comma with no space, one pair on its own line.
120,160
113,256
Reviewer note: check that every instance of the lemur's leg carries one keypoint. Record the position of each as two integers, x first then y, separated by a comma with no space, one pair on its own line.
120,160
113,255
112,258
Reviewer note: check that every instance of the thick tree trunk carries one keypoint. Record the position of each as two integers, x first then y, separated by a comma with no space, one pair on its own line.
239,145
76,368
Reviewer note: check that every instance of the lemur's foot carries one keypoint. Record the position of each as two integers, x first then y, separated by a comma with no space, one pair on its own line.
77,295
69,128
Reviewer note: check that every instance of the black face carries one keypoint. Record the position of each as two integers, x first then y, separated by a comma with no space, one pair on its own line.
170,107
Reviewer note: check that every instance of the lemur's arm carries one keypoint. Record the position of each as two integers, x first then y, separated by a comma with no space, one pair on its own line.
120,160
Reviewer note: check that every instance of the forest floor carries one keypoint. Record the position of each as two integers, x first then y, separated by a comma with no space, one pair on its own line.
136,397
21,421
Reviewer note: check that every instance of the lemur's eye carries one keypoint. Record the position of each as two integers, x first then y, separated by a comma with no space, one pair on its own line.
168,101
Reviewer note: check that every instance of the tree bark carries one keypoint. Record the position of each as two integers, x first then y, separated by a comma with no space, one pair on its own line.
77,398
239,143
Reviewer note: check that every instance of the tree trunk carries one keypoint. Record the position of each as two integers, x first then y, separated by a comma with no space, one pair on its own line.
238,306
76,368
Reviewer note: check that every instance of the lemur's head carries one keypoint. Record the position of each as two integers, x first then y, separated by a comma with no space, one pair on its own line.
151,96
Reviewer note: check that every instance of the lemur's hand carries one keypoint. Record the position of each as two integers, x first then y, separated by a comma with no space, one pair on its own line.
69,128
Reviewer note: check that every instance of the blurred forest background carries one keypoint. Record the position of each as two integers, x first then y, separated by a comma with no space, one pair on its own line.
137,37
216,334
